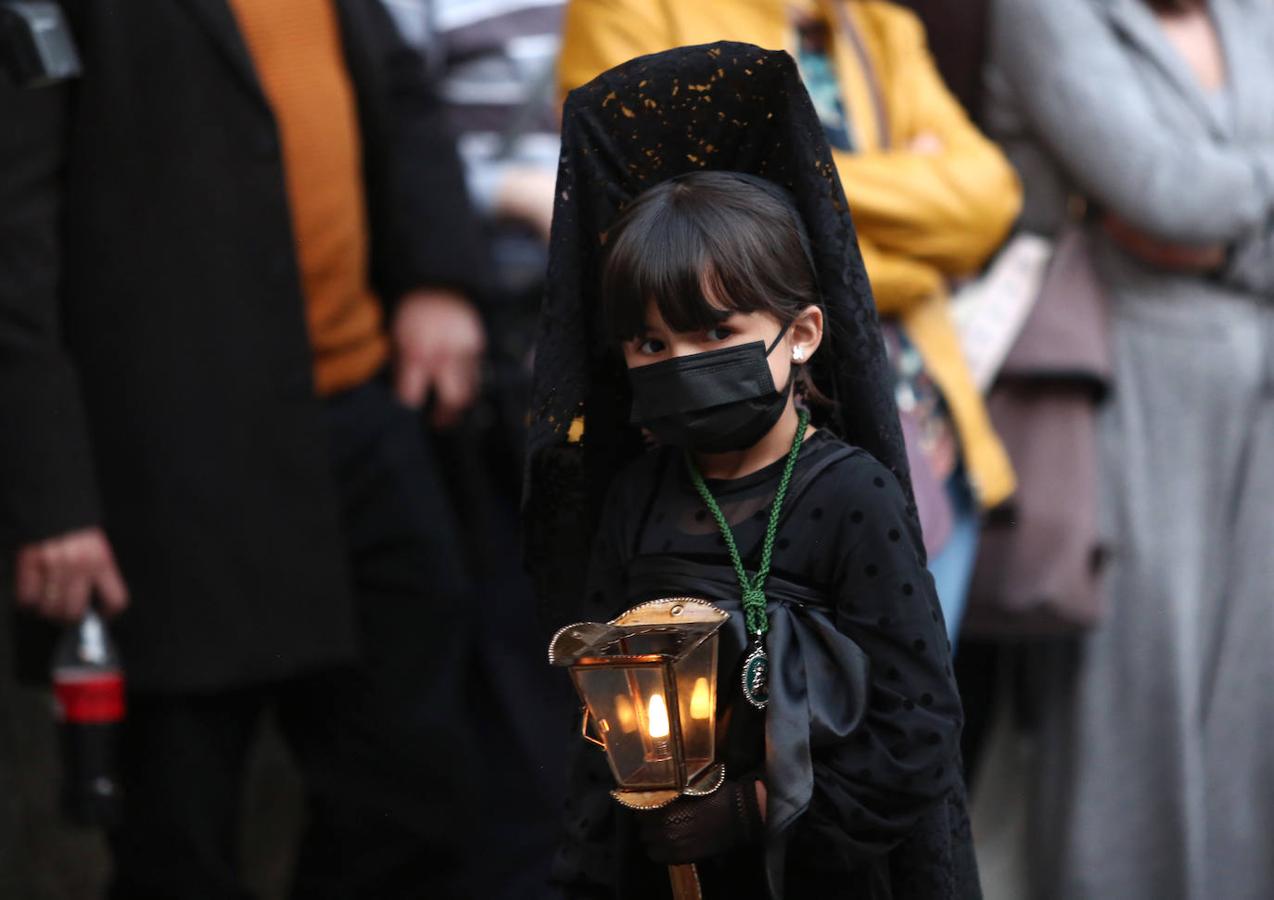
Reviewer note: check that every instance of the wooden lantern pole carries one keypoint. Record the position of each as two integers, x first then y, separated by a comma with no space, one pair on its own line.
685,882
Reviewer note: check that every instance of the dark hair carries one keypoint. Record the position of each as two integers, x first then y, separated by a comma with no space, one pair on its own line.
723,234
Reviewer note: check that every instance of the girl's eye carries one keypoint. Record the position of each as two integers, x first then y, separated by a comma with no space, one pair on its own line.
651,346
720,333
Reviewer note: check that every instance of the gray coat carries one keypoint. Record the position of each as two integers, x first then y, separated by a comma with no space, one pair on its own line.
1155,757
1088,95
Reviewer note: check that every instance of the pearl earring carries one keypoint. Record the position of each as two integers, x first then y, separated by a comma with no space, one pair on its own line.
798,354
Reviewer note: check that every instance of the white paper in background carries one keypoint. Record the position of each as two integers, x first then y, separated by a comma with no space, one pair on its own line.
990,311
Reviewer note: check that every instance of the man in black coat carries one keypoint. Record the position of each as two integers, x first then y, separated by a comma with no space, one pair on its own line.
173,440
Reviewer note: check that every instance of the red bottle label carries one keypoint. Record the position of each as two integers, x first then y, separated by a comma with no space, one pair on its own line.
89,698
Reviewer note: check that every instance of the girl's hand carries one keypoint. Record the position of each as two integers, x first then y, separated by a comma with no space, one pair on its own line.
693,828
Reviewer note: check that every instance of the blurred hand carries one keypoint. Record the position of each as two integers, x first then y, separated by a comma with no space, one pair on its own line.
1162,254
926,143
438,344
57,578
526,194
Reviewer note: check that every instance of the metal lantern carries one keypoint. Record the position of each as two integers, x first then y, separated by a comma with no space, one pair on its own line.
648,680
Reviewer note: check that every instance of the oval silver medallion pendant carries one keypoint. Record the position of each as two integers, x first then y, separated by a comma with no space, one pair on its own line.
756,677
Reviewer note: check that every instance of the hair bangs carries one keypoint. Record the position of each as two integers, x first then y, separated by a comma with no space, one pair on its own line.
660,255
701,247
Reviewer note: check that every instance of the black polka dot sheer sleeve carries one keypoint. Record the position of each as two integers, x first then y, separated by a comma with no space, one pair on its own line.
870,790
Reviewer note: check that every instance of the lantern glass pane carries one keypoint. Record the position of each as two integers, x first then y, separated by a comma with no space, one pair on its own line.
631,716
697,701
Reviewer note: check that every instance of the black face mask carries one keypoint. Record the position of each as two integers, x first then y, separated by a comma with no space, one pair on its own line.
713,402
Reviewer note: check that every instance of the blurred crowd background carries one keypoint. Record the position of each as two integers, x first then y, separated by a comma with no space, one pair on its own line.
269,279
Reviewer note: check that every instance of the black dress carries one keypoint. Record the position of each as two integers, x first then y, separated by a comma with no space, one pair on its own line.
847,552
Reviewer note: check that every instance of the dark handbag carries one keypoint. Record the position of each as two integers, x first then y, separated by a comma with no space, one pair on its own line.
1041,557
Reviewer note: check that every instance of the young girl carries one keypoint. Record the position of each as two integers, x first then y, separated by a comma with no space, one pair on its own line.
842,761
709,294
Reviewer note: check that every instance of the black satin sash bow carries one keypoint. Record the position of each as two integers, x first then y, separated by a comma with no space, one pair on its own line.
818,679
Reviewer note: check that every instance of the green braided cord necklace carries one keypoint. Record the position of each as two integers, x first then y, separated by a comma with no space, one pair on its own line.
756,666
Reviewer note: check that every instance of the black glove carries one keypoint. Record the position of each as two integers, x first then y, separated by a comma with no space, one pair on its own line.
691,828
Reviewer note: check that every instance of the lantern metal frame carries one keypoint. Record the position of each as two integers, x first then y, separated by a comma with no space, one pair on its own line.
690,615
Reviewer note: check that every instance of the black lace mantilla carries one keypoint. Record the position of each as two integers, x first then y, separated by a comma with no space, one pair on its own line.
725,106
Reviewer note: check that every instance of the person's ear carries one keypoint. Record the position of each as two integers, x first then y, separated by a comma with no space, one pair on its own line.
806,334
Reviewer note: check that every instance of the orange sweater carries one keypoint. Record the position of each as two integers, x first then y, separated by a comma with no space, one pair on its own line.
296,46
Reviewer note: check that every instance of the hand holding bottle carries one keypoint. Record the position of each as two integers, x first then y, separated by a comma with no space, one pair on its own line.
56,577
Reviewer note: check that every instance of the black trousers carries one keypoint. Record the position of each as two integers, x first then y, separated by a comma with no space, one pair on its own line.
380,745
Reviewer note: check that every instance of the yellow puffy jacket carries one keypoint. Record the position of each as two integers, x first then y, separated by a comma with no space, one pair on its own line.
921,217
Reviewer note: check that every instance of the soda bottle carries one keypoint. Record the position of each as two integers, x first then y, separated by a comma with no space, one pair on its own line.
88,693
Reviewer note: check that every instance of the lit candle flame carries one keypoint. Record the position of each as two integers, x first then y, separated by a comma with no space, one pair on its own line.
657,717
700,700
